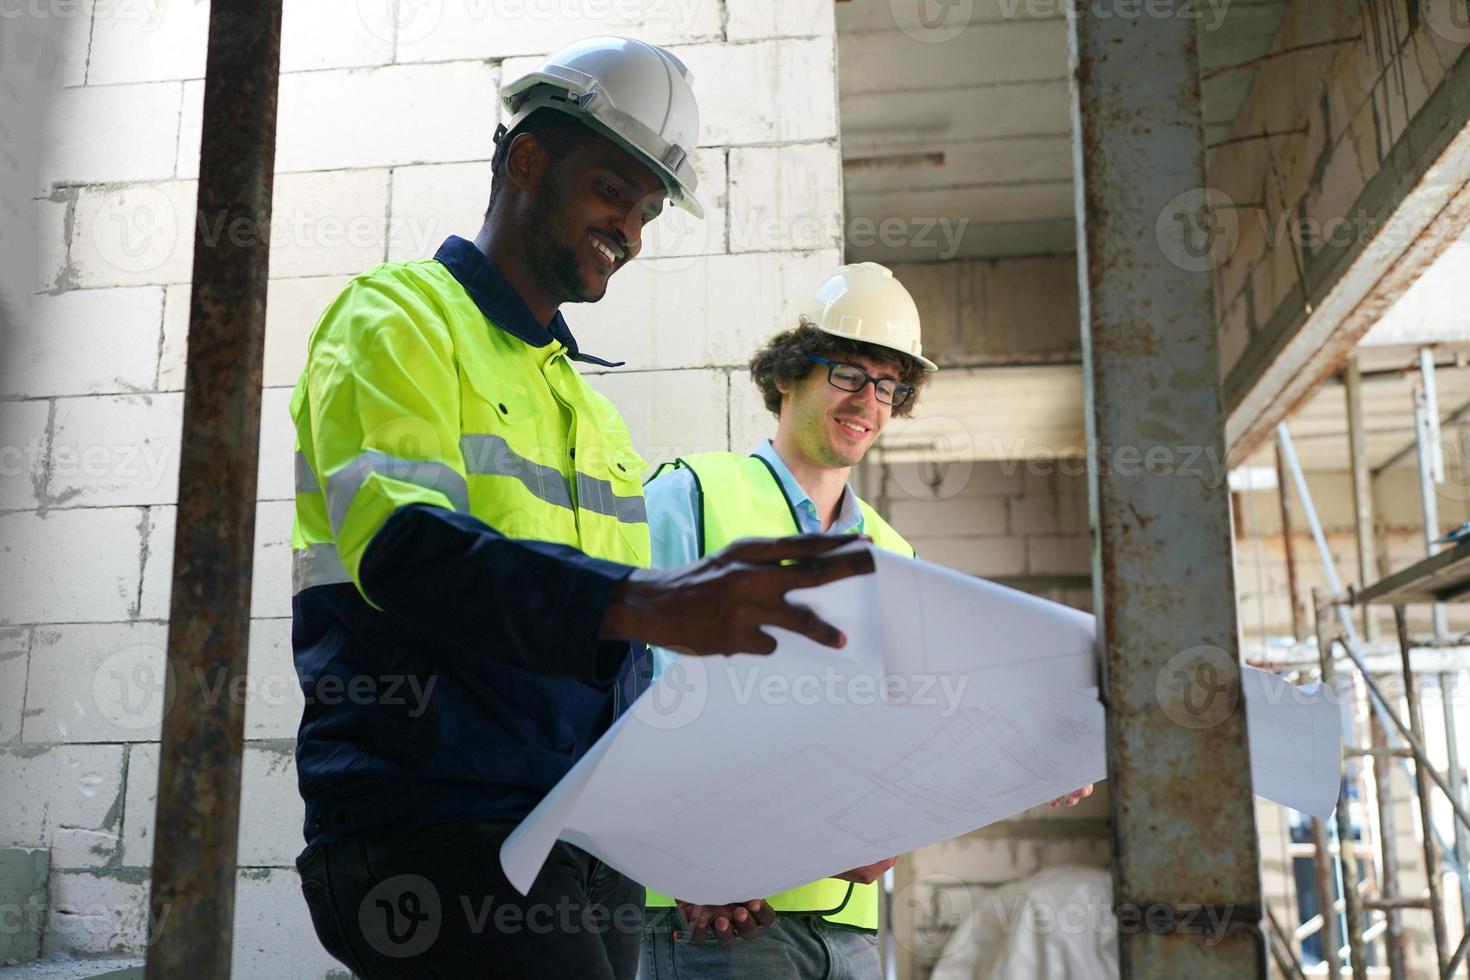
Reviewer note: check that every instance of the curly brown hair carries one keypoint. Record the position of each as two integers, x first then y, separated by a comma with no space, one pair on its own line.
784,362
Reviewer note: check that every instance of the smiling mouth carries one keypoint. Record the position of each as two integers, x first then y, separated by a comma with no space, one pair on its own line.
856,428
606,252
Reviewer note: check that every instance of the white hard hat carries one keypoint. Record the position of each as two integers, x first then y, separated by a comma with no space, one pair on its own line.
636,94
863,302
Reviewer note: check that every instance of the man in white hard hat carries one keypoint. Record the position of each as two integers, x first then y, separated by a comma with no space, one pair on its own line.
833,382
470,549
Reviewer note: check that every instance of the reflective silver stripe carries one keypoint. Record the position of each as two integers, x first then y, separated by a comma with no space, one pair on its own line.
317,565
342,486
305,478
597,495
491,455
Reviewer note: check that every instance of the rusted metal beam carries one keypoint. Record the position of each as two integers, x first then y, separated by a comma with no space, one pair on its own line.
195,841
1162,559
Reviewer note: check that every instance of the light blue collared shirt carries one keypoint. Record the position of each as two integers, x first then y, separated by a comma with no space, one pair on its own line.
673,518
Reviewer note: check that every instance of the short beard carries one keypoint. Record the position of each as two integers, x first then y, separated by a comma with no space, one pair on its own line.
551,261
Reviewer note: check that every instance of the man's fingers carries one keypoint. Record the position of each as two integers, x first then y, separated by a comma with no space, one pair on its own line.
819,571
800,619
700,926
745,923
723,933
795,548
763,913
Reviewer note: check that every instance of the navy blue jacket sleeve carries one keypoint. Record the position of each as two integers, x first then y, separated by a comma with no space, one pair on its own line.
458,583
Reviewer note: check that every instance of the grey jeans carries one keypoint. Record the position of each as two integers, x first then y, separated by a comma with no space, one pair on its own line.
796,947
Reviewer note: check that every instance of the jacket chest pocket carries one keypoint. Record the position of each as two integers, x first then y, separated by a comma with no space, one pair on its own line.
489,401
511,484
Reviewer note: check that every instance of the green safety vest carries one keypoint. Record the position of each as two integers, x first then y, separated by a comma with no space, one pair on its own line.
410,395
741,497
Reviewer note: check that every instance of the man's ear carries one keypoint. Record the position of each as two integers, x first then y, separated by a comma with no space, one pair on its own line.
526,161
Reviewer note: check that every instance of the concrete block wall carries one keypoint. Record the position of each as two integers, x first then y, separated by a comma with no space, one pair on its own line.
1307,199
384,142
1022,523
997,311
940,887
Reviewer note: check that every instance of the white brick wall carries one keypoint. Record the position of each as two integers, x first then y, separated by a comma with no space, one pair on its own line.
71,800
115,450
385,121
111,133
96,682
88,342
24,429
70,566
14,662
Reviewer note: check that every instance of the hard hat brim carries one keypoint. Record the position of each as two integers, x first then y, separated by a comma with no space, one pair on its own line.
929,366
680,191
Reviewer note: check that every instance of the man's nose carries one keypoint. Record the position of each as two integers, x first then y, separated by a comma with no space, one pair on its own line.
632,229
867,394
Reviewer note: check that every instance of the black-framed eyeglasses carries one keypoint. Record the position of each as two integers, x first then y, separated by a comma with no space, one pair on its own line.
850,377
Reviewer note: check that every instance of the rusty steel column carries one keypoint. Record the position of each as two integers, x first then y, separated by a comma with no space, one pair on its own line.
193,892
1183,817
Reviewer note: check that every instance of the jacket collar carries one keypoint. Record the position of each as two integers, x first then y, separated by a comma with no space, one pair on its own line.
501,304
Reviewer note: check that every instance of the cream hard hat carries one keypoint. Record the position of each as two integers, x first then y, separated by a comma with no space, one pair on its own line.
864,302
636,94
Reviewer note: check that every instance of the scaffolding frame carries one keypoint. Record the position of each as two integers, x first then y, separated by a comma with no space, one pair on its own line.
1440,577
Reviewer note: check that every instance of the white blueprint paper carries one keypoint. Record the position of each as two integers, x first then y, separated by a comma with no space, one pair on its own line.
956,703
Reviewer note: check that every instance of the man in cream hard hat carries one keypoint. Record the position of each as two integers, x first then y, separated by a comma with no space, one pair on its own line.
471,547
853,361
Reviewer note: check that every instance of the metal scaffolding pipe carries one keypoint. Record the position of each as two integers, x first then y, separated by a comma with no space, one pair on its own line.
1421,789
196,836
1347,858
1163,554
1362,487
1283,495
1326,897
1431,466
1388,888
